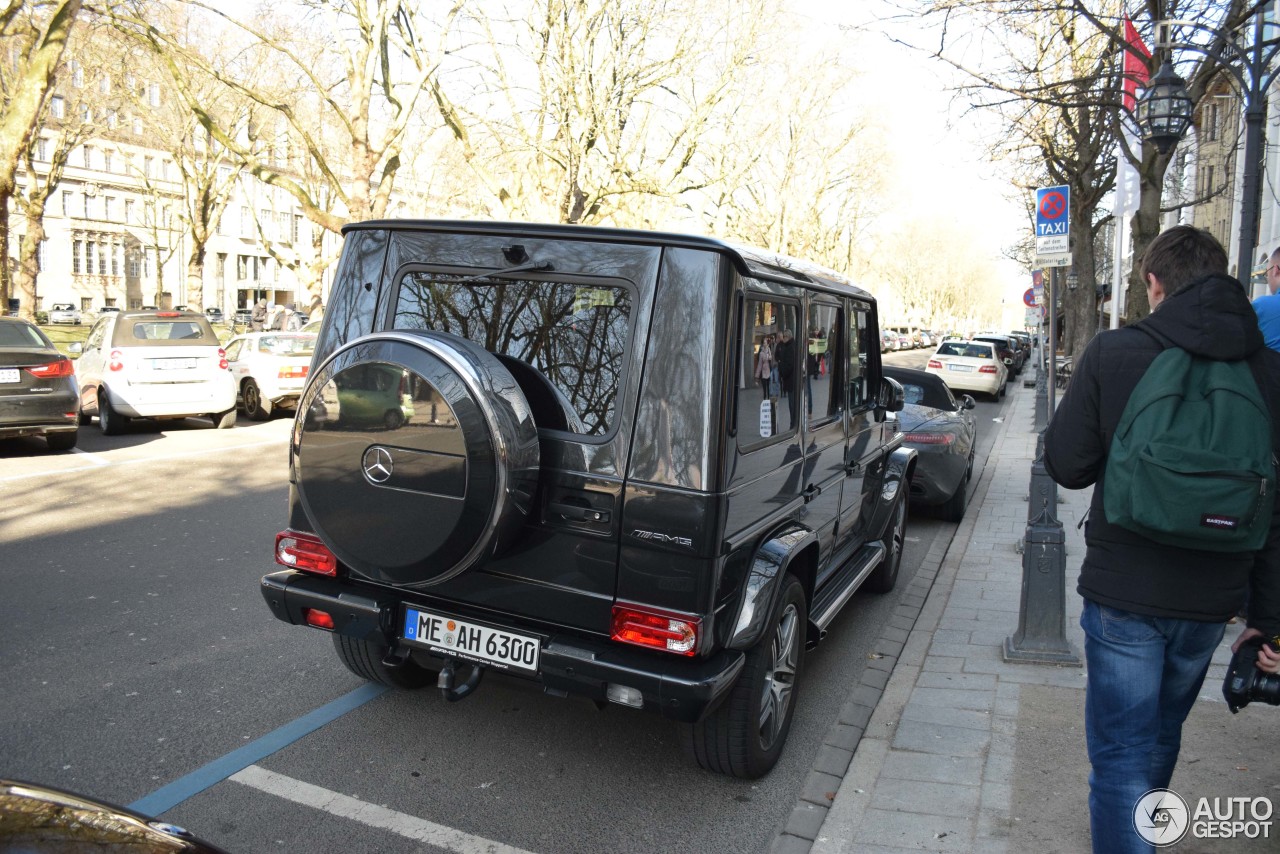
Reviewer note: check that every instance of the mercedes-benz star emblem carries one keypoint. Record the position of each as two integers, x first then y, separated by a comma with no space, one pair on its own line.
377,464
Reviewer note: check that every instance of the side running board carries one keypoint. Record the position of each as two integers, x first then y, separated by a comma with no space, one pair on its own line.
828,601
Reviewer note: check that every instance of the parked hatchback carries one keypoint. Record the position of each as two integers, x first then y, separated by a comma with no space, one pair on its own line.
38,390
270,369
154,364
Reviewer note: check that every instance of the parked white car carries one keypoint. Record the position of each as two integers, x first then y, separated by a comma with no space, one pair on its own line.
970,366
270,369
154,364
65,312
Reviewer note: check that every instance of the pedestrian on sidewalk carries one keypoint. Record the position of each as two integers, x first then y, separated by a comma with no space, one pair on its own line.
1154,613
1267,307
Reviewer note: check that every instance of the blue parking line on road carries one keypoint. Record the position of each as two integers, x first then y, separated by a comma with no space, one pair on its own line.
169,796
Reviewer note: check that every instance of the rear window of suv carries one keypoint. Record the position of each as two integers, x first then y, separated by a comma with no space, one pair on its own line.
155,331
576,335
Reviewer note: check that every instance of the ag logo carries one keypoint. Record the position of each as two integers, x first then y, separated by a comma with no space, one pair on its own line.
1161,817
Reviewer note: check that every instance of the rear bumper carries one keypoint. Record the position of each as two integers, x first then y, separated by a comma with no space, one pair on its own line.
174,401
676,688
38,414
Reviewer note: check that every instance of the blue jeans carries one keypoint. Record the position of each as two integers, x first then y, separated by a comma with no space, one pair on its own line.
1143,677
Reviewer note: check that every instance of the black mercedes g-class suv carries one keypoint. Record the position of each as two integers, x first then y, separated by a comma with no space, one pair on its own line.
612,462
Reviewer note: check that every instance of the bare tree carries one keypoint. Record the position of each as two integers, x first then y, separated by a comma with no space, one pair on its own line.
33,36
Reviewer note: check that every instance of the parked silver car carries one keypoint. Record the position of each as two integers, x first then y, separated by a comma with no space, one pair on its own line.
154,364
65,312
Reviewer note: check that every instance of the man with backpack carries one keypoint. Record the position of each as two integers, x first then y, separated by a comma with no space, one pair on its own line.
1175,421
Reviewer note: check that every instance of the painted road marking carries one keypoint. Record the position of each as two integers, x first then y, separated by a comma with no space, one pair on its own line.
178,455
167,797
93,458
372,815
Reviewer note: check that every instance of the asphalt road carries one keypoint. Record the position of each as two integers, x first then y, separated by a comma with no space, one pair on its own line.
136,650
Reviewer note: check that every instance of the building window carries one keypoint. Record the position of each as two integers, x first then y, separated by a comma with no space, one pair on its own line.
102,259
137,126
146,263
58,107
128,210
108,162
242,267
88,256
75,256
153,94
86,114
108,208
113,119
104,85
88,200
88,156
66,203
131,264
77,74
222,267
297,227
115,259
148,166
42,149
246,222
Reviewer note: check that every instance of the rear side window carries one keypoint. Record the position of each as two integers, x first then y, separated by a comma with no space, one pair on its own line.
287,345
21,335
575,335
148,332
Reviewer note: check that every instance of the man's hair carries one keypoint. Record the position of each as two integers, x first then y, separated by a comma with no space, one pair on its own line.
1183,255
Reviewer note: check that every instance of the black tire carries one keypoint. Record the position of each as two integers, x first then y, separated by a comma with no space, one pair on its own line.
953,509
82,417
110,422
364,659
255,406
745,735
885,576
224,420
393,419
62,441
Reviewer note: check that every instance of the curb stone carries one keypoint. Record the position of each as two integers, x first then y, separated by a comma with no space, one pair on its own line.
882,677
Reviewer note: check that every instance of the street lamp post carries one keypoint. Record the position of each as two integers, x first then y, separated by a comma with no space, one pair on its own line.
1164,111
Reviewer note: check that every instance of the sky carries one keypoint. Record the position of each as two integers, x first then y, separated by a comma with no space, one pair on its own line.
939,167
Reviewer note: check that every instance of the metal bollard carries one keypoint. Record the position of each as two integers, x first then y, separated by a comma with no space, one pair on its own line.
1041,637
1042,402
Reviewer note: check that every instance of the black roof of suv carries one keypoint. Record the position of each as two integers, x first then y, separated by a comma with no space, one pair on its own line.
612,462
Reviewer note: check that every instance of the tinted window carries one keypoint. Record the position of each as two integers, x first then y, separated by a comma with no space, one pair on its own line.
769,363
859,326
824,382
156,331
20,335
575,335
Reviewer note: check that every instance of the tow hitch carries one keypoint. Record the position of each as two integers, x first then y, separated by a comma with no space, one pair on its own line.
448,683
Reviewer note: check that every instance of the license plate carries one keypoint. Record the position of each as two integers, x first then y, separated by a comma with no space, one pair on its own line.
9,375
472,641
965,368
173,364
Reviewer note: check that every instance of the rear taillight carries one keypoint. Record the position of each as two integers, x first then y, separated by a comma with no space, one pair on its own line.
49,370
987,369
307,552
116,362
293,373
318,619
934,363
168,314
223,364
676,633
929,438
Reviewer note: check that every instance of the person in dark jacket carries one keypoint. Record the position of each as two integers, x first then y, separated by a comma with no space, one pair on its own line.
1154,614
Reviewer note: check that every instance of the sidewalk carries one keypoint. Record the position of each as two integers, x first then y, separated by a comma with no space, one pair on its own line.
963,752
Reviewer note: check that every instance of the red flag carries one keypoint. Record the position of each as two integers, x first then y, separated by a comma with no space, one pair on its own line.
1135,68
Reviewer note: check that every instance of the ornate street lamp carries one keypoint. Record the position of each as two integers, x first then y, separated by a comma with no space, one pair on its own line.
1164,110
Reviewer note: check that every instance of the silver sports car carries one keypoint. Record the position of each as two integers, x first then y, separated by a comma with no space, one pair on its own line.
943,431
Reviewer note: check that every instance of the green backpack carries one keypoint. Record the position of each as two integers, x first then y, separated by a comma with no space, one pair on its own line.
1191,462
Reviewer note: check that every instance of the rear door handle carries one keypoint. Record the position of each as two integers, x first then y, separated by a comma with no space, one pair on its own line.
579,514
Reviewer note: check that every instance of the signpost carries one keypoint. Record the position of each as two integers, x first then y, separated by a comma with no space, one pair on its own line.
1053,231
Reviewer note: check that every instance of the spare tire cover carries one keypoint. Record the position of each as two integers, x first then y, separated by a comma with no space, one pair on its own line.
416,456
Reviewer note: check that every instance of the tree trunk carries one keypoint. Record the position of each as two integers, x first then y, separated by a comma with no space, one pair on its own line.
1144,227
6,280
1079,306
195,276
24,285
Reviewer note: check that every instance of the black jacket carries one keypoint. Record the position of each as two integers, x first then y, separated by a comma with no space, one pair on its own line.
1213,319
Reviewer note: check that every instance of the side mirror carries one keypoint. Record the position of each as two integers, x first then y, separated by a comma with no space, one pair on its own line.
967,401
892,398
75,348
